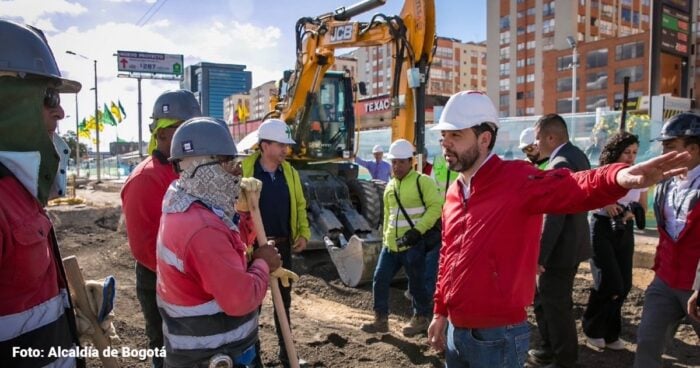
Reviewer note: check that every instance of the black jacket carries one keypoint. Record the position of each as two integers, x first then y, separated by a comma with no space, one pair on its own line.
566,239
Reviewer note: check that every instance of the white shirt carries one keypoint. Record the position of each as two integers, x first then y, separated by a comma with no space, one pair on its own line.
556,150
632,195
678,195
467,182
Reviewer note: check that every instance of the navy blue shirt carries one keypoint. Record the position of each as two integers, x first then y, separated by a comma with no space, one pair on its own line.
274,201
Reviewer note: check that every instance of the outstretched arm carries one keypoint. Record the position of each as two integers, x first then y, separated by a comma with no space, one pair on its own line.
650,172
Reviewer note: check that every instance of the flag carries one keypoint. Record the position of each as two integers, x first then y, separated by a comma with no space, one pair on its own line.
116,112
121,108
91,124
107,116
242,112
83,131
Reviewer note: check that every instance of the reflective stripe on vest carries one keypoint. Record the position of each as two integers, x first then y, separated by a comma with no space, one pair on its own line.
205,309
169,257
397,217
188,342
17,324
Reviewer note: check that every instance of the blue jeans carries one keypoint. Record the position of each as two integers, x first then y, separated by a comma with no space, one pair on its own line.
487,347
413,262
432,260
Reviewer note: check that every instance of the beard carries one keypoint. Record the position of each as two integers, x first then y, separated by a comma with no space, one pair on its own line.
463,161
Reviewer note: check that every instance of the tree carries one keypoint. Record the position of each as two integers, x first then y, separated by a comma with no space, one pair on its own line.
70,138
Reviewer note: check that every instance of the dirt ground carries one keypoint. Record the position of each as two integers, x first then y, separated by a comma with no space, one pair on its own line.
326,315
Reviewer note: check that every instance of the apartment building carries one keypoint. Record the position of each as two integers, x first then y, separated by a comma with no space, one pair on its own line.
531,46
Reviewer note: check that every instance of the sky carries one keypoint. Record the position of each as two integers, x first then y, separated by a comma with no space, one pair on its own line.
256,33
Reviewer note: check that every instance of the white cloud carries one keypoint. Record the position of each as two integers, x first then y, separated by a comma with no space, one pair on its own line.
223,42
31,11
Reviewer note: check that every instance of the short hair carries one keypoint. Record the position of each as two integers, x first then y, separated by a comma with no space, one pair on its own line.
615,146
487,127
553,124
691,139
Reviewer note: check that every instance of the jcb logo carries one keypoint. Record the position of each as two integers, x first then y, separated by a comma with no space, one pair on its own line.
341,33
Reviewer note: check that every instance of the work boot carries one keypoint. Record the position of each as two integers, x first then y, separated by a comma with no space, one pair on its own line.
417,325
380,324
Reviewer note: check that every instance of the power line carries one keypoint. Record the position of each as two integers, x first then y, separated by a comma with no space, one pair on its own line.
146,17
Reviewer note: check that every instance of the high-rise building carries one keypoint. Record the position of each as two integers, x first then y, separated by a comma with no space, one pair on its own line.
530,53
456,66
212,83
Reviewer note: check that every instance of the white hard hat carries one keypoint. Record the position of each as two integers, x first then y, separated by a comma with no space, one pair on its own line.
400,149
467,109
275,130
527,137
377,149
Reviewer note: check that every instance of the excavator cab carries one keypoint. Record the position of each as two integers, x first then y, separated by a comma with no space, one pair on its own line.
331,120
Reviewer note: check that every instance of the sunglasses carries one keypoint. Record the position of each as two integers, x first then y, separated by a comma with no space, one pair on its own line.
529,149
52,99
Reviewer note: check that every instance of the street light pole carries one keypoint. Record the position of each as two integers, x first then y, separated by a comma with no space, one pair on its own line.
77,138
574,61
97,126
573,81
97,120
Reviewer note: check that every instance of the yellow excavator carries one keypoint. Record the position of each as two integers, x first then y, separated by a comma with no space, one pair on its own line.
345,213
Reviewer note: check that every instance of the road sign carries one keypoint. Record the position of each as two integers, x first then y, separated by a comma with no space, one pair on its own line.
147,62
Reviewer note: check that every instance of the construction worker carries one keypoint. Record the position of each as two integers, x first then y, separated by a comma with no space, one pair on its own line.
379,169
36,311
412,206
282,203
142,198
677,210
528,145
442,174
208,294
492,221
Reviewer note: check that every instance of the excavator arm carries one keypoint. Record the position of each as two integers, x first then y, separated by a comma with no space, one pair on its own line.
413,37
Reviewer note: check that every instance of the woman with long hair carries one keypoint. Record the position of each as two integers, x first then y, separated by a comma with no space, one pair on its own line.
613,250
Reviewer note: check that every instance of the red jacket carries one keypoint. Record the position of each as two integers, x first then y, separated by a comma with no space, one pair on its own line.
142,198
676,260
206,288
35,307
491,244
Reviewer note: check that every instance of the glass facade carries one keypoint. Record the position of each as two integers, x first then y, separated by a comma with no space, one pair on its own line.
214,83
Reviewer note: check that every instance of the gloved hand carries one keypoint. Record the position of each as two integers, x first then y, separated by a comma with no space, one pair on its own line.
285,276
249,187
411,237
95,294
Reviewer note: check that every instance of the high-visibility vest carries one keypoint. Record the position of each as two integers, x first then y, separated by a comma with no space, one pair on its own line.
442,174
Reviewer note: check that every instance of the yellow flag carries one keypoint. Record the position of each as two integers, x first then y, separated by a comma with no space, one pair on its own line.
116,112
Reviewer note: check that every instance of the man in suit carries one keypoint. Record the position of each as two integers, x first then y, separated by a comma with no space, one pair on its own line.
564,244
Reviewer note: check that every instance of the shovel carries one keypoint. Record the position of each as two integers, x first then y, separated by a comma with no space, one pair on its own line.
274,285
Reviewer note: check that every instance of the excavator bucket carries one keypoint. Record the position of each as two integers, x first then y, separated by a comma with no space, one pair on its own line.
355,261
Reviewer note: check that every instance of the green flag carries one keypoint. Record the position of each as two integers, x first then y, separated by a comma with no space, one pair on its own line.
121,108
107,116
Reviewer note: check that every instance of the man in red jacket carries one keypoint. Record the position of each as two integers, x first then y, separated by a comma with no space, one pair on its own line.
36,313
142,197
677,209
492,220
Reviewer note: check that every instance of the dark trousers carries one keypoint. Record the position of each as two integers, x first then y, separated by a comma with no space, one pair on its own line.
554,314
611,267
146,294
285,250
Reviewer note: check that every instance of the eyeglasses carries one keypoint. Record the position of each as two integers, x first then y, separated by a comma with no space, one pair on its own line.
529,148
52,99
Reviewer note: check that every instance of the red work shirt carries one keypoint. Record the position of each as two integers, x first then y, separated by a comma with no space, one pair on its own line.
142,198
